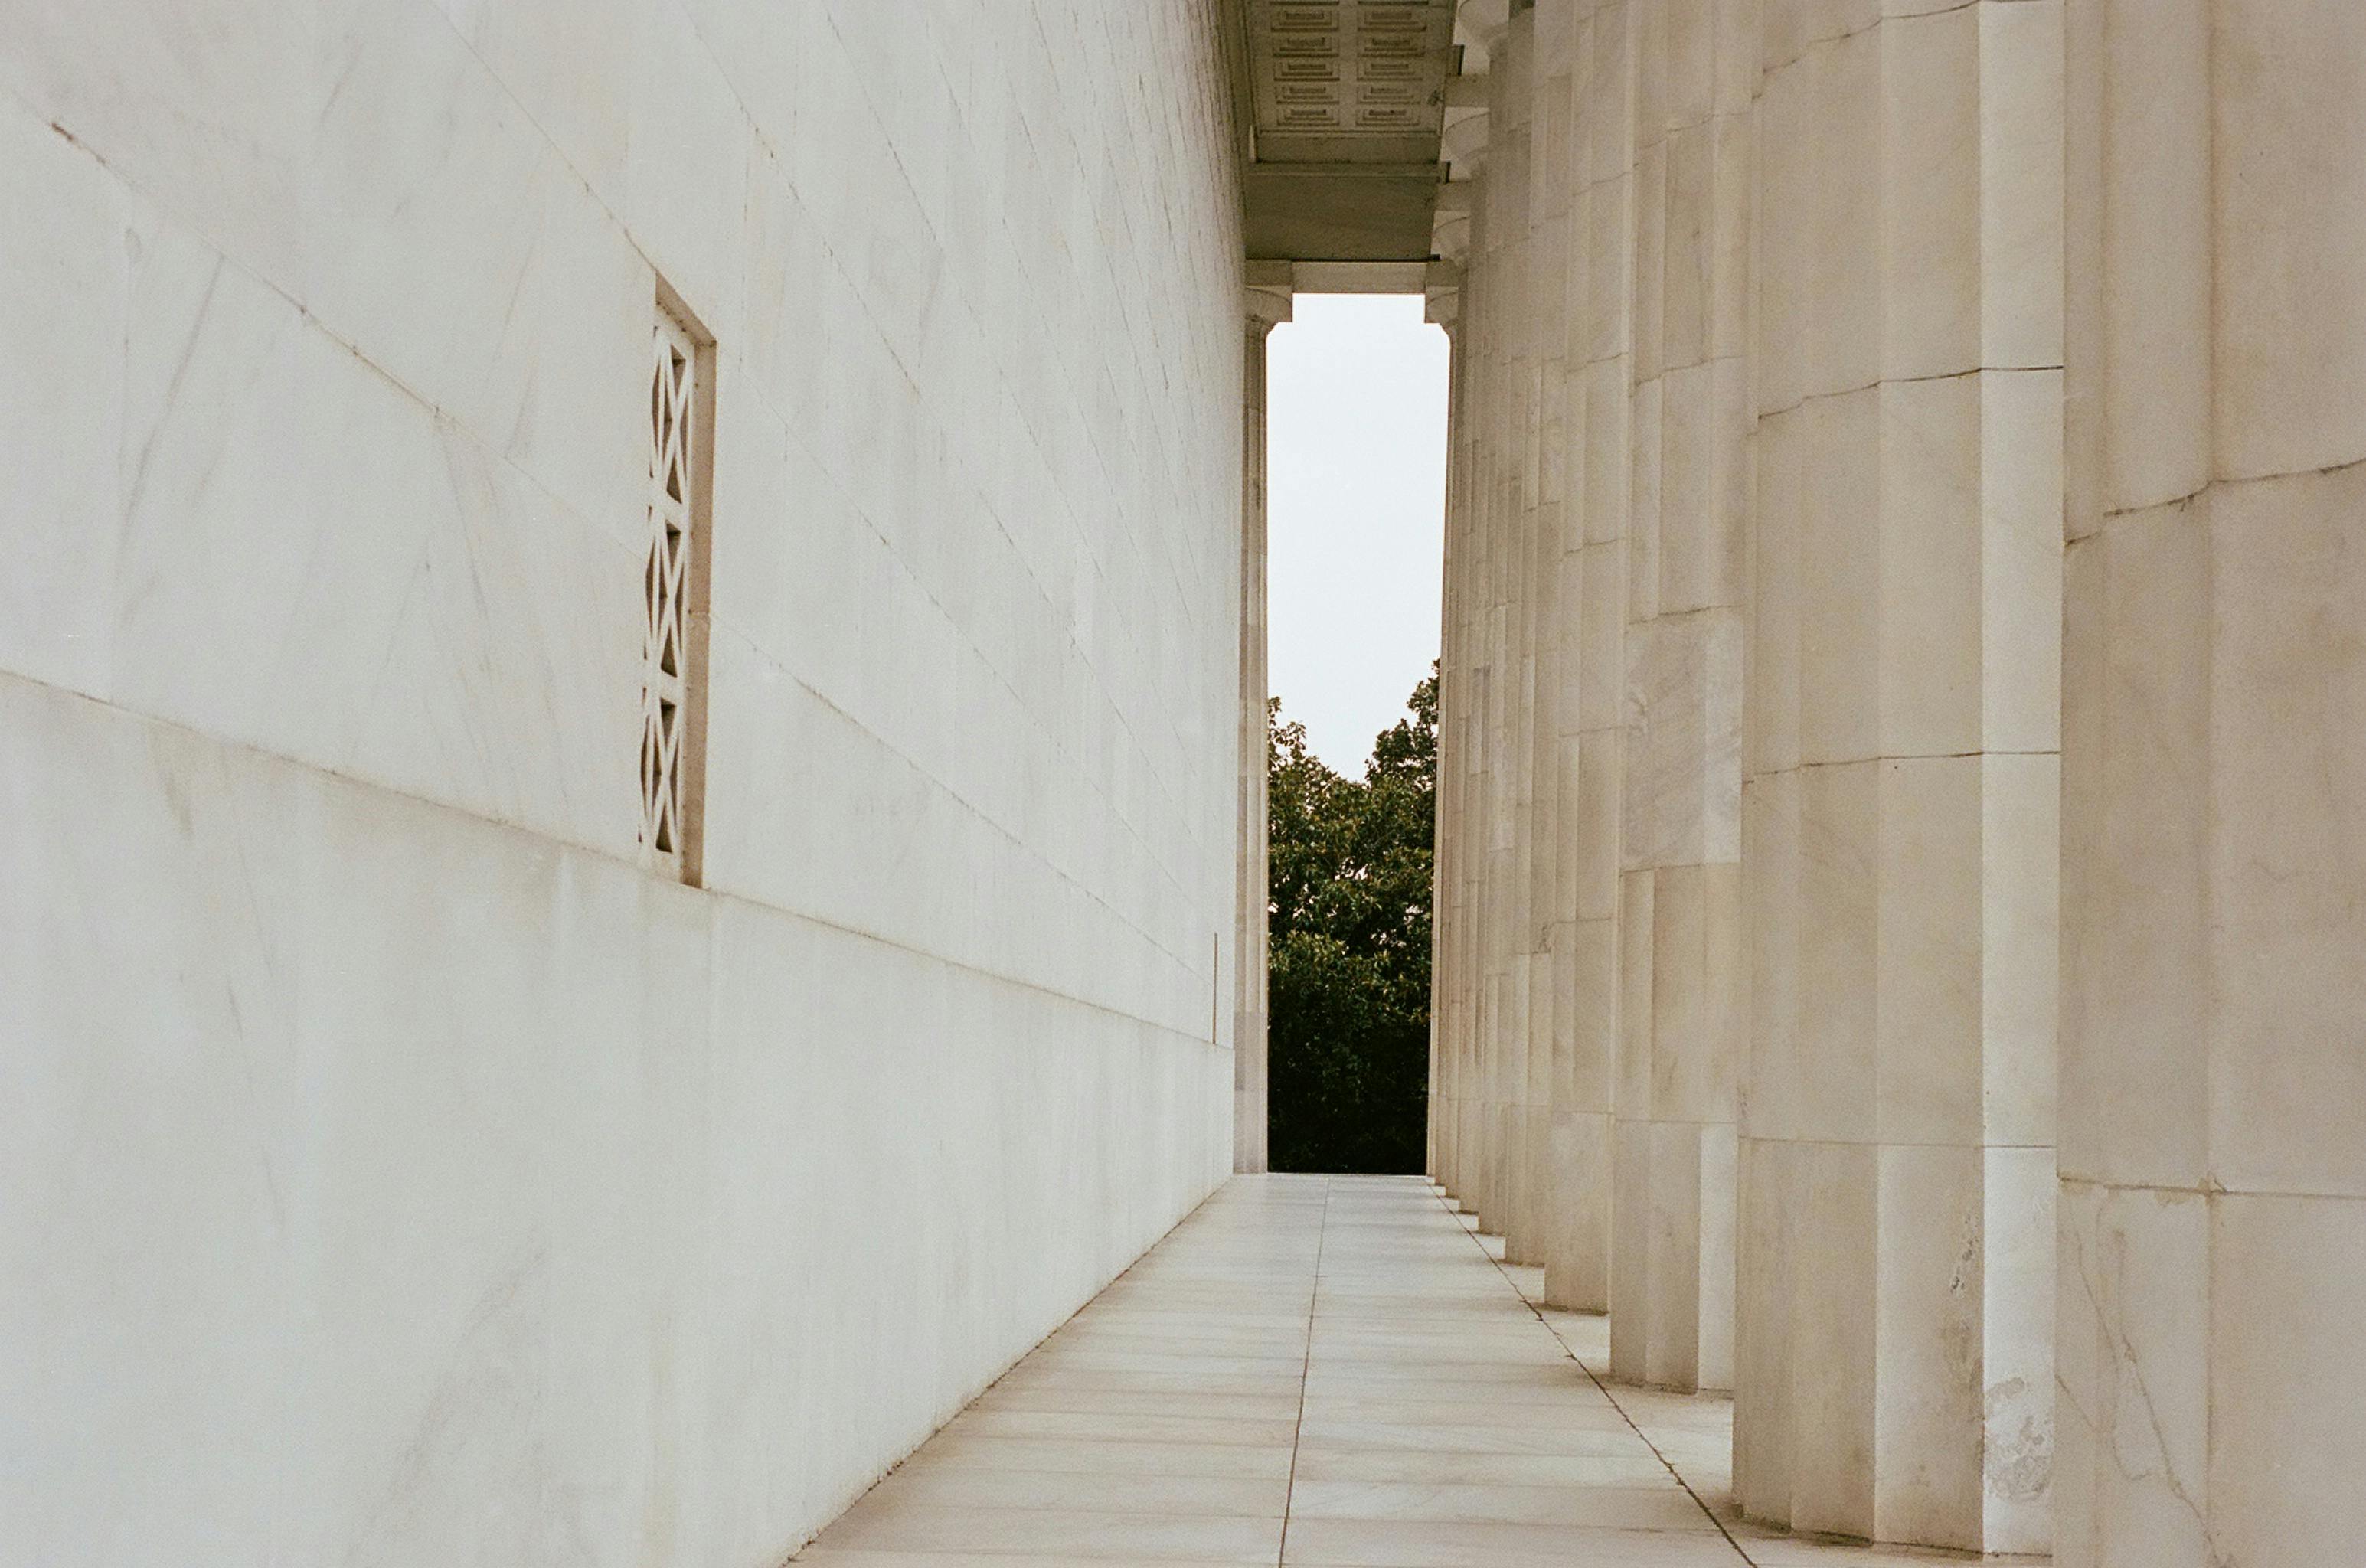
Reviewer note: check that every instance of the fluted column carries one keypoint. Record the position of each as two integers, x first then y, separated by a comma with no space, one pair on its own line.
1556,1211
1490,826
1896,1369
1495,517
2213,1208
1487,1052
1681,968
1596,313
1443,307
1459,991
1266,304
1524,1045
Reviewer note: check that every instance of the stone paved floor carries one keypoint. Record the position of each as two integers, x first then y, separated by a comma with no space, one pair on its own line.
1321,1370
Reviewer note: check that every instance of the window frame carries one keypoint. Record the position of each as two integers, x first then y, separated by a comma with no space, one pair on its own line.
673,839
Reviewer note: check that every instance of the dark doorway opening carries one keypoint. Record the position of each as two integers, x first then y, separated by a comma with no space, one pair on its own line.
1355,398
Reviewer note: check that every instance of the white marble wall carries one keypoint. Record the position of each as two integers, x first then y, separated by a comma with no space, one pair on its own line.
2212,1223
399,1175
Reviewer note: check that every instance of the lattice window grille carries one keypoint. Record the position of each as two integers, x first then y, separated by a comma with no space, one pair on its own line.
665,649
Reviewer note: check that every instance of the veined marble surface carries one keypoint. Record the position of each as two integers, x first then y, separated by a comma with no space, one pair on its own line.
397,1175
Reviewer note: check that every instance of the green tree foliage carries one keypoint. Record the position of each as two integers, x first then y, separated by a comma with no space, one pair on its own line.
1349,988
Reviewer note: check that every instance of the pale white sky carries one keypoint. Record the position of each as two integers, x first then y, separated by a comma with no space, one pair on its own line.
1356,467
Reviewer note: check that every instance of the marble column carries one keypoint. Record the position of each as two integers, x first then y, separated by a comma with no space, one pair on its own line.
1896,1372
1459,990
1561,1211
1443,307
1683,975
1481,888
1502,1035
1596,312
1452,993
1268,303
2213,1199
1494,511
1488,1050
1525,1013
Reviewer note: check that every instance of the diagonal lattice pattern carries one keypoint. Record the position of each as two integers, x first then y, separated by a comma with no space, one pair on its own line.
673,438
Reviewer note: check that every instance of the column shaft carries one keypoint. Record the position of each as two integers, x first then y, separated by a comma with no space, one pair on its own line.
1526,1034
1266,306
1445,907
1683,976
1556,1236
1596,310
1896,1371
2213,1199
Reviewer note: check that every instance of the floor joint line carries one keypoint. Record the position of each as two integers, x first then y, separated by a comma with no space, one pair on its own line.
1298,1427
1600,1387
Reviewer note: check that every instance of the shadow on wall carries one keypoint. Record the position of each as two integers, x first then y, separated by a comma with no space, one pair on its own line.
1348,1068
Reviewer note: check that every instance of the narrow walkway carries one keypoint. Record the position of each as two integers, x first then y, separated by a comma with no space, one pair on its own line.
1319,1371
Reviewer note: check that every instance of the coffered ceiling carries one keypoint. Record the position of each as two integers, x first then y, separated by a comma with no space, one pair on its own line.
1346,99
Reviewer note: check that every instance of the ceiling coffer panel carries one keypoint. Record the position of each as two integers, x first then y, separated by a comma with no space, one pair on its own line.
1349,81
